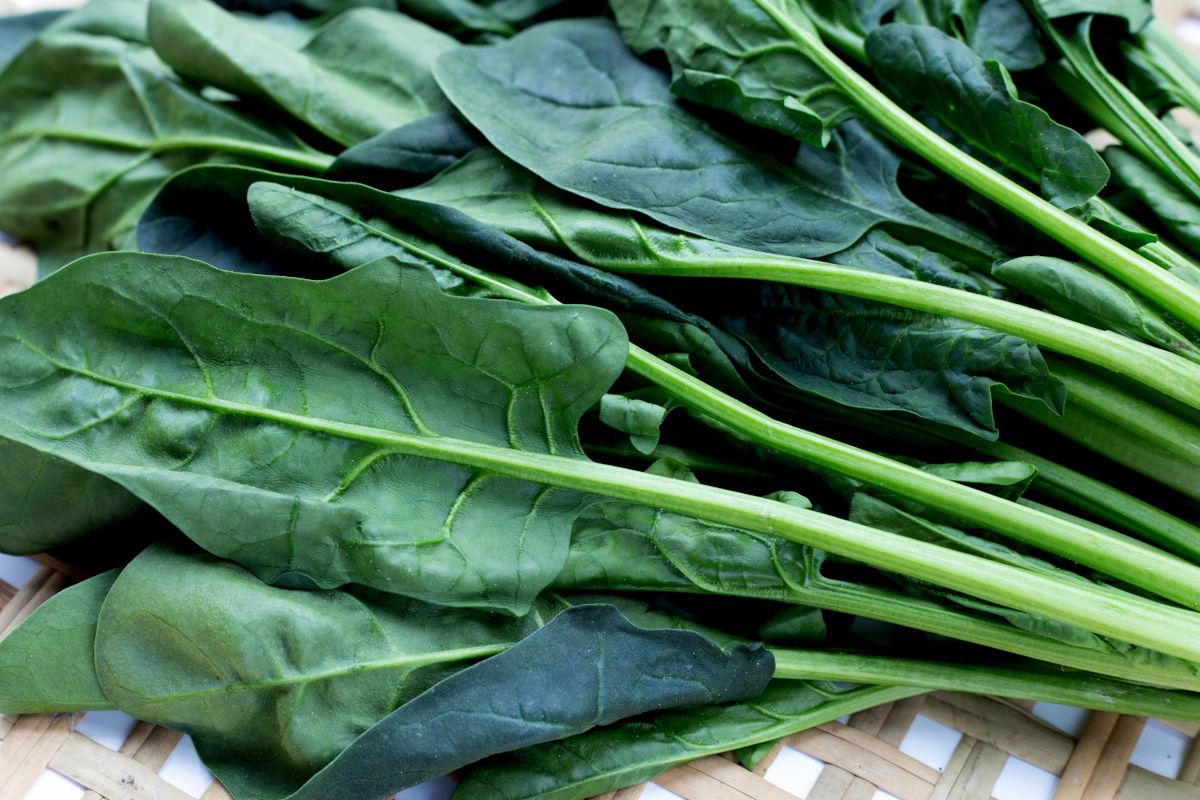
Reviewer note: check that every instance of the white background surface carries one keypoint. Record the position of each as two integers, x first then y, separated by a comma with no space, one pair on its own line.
1161,749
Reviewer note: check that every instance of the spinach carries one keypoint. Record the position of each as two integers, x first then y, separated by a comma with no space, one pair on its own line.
363,73
47,664
286,439
1178,213
18,31
148,125
785,27
249,444
405,155
47,501
975,99
640,749
348,678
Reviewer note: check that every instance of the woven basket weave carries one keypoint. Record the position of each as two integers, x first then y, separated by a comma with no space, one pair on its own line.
860,757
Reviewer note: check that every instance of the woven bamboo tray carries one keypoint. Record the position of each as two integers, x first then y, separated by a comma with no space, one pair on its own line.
852,761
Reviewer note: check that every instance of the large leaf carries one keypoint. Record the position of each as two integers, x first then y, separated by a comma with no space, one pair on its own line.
263,415
365,72
1136,13
875,356
614,134
274,685
46,501
48,664
270,680
640,749
198,214
976,100
731,55
80,95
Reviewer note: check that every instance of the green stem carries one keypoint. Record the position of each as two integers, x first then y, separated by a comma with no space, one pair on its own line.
1115,554
1120,110
1149,365
1173,294
1175,64
300,159
1117,443
1101,500
1095,608
1155,426
1046,685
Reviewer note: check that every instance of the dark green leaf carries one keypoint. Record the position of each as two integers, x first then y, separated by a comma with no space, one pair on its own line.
1177,212
45,501
975,99
639,750
364,73
614,134
110,110
246,424
48,664
1079,292
588,667
406,155
874,356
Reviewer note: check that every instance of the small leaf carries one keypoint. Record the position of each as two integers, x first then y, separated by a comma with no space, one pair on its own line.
48,663
406,155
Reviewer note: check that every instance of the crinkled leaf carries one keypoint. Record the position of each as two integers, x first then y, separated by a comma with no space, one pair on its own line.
1079,292
614,134
264,416
641,419
975,99
638,750
365,72
105,106
733,55
48,664
873,356
406,155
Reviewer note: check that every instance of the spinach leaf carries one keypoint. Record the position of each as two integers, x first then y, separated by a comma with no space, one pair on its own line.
120,149
46,501
18,30
1178,212
364,73
489,17
1136,13
614,134
975,99
640,749
407,154
48,664
588,667
250,445
874,356
1078,292
264,676
374,669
